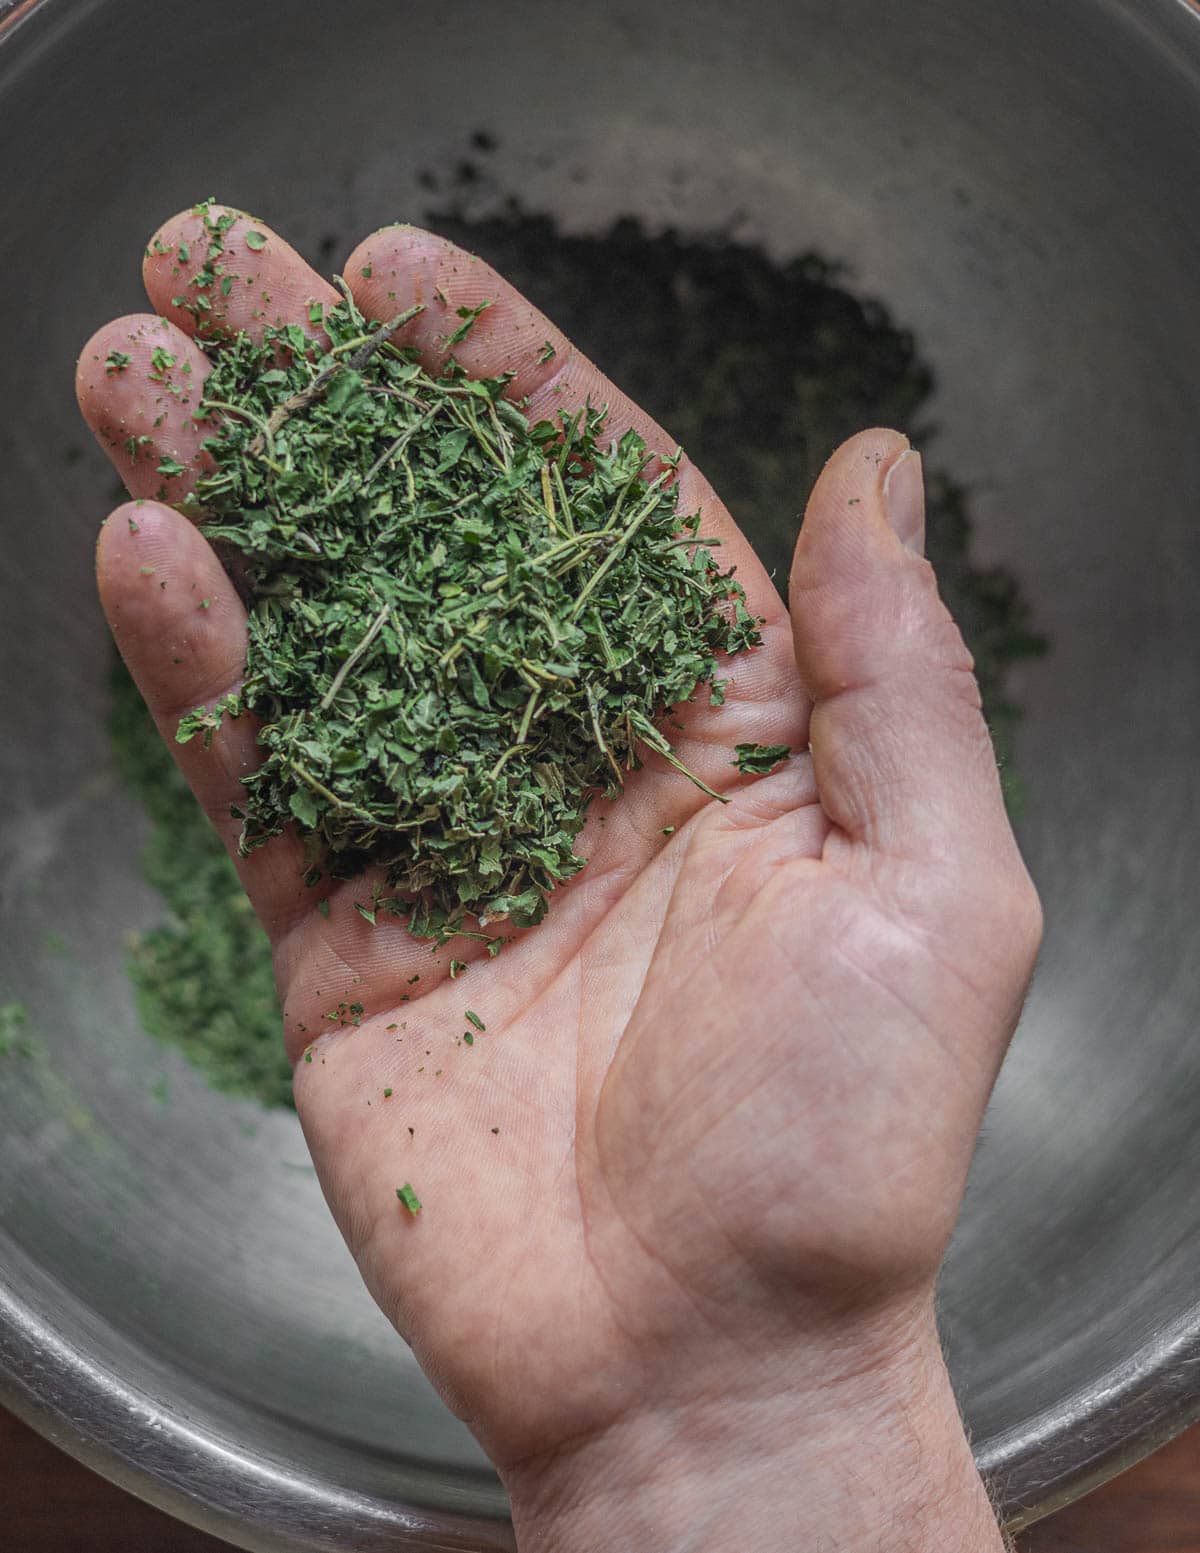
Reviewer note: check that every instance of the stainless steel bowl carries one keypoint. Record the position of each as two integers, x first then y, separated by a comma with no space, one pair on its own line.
1021,181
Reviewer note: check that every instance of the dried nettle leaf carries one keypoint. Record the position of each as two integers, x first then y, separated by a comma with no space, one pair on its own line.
463,627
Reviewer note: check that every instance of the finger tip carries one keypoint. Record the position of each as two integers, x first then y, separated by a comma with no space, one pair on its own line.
142,516
404,239
138,383
396,268
866,456
127,537
217,270
94,368
845,524
166,597
176,256
412,263
854,475
406,266
192,223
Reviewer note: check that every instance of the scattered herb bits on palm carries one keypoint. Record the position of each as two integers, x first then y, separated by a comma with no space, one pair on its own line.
409,1198
462,626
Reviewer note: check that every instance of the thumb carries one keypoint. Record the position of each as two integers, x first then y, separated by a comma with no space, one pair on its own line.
902,756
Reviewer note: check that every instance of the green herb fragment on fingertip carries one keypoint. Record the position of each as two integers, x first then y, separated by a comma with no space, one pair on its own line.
475,1019
469,316
256,241
408,1197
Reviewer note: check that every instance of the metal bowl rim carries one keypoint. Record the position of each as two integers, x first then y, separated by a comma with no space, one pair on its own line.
84,1407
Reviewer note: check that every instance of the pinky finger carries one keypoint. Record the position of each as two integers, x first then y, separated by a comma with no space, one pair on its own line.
181,629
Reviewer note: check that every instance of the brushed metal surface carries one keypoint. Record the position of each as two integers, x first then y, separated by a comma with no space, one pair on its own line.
1021,182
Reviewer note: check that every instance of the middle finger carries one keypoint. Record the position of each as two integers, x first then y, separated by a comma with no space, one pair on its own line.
214,271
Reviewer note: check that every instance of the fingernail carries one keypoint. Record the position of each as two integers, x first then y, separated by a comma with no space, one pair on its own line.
904,500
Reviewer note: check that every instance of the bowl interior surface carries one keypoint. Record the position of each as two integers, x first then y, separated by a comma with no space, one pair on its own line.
1021,184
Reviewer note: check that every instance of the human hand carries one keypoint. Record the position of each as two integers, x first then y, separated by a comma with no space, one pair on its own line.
685,1200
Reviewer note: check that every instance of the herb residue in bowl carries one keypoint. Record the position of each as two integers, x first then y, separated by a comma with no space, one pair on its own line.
202,977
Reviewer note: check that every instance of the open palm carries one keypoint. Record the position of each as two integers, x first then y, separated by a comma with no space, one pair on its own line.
730,1087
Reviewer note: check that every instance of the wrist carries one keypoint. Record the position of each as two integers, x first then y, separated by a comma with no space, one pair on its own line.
870,1460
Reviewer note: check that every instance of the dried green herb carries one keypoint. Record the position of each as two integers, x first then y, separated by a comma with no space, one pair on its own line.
14,1037
468,316
408,1197
202,976
463,626
759,759
692,326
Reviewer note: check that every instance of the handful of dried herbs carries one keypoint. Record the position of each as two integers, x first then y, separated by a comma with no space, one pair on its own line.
462,626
